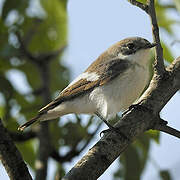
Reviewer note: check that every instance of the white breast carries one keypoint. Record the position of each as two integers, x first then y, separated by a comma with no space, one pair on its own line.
121,92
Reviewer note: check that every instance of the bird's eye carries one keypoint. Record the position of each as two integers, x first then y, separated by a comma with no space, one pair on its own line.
130,45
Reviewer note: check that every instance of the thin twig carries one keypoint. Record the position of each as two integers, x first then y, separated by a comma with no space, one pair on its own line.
142,6
43,133
149,8
168,130
159,63
19,137
168,6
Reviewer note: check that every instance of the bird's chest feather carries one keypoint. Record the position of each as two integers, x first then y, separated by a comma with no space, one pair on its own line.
121,92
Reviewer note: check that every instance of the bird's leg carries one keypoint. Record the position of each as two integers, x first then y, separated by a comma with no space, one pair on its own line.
129,108
111,128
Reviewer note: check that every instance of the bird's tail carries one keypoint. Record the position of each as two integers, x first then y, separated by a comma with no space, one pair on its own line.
25,125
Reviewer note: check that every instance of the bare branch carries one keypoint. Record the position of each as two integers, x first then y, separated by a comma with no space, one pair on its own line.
43,133
41,163
168,130
159,63
11,158
142,6
161,125
19,137
149,8
169,6
174,68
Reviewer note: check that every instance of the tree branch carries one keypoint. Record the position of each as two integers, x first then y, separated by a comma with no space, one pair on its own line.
159,63
142,6
149,8
169,6
43,133
167,129
11,158
19,137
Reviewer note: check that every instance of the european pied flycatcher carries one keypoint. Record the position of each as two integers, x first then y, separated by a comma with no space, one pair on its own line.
110,84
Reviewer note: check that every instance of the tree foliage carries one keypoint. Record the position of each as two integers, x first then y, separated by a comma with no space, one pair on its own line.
33,36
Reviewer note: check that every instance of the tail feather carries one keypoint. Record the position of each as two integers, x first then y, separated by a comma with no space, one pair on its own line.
25,125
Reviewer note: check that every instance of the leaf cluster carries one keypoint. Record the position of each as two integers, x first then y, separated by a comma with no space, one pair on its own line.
33,36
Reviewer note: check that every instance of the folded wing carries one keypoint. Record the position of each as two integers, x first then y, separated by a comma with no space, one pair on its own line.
106,71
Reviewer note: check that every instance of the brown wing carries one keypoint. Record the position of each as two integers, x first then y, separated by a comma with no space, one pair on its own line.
106,71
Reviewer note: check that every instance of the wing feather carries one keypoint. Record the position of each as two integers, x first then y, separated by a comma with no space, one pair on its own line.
106,71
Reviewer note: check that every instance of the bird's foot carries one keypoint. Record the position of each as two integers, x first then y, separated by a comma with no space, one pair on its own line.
135,106
111,128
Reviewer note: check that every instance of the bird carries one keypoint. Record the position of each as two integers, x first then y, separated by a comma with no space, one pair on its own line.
109,85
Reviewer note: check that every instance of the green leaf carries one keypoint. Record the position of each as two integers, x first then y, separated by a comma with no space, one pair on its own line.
164,20
153,135
19,5
51,34
2,111
32,74
142,1
134,159
28,153
132,164
61,76
56,133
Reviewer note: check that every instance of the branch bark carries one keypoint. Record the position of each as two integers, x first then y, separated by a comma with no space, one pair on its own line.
142,6
159,67
11,158
149,8
168,130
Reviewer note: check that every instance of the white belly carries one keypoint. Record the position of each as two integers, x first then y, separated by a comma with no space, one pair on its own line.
121,92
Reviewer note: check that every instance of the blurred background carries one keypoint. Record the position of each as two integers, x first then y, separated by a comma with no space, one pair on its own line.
43,46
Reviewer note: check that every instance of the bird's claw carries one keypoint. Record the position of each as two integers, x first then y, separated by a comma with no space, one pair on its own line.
136,106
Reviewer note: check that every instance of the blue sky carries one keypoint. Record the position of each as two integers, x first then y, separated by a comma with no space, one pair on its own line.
93,27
